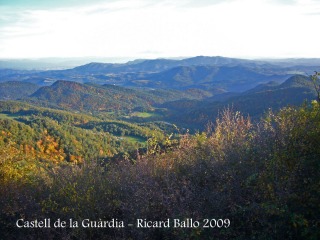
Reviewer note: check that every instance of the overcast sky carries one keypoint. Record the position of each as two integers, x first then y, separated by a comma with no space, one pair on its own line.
154,28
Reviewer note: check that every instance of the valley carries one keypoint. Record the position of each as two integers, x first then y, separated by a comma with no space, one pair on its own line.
125,109
164,139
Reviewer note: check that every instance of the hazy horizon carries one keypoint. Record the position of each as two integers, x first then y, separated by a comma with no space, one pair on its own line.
125,58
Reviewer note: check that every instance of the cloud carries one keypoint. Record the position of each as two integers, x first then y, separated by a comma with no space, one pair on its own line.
284,2
204,3
313,13
153,28
49,4
113,6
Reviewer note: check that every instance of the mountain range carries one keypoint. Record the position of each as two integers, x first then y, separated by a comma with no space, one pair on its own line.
190,91
190,108
142,139
207,73
254,102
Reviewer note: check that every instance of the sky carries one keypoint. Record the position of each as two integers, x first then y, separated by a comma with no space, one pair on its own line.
159,29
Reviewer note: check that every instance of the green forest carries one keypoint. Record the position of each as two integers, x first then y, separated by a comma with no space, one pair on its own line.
108,153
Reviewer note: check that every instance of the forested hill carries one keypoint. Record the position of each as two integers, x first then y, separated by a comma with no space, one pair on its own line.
158,65
76,149
16,90
256,180
190,108
92,97
255,102
228,78
72,95
206,73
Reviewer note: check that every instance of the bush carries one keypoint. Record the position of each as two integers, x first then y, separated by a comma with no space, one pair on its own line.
262,176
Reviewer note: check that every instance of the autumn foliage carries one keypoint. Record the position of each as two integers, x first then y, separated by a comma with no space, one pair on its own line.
263,176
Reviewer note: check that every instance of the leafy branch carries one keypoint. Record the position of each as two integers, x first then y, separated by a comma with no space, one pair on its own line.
316,83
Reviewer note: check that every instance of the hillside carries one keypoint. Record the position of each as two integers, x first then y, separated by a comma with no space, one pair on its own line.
254,102
91,97
88,151
16,90
61,136
209,73
235,78
159,65
72,95
211,78
262,180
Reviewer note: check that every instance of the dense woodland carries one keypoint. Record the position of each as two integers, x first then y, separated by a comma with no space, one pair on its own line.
87,151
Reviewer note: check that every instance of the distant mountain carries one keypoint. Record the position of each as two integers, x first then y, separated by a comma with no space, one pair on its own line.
292,92
289,62
217,74
234,78
255,102
72,95
95,67
92,97
263,87
149,65
223,96
213,78
297,81
16,90
6,74
216,61
30,64
144,66
158,65
52,63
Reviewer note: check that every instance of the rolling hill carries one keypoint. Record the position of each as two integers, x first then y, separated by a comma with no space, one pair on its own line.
15,90
209,73
92,97
254,102
234,78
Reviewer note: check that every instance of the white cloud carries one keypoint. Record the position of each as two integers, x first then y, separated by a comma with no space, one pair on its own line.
140,28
